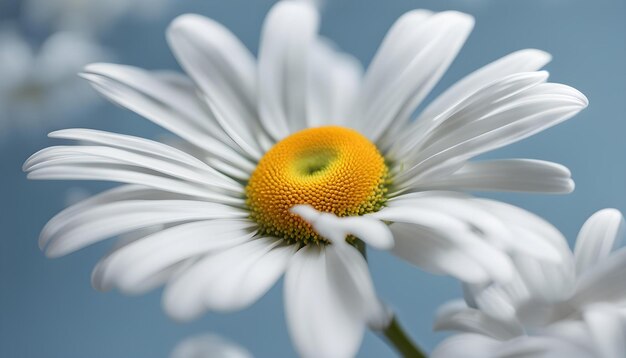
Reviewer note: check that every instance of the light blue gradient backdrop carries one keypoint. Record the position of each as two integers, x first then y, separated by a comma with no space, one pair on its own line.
48,308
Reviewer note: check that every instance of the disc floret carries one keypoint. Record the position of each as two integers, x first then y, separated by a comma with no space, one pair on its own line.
334,169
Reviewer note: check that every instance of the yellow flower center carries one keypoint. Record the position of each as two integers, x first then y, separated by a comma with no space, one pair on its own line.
334,169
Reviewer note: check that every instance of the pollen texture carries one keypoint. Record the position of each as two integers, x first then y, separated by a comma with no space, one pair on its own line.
333,169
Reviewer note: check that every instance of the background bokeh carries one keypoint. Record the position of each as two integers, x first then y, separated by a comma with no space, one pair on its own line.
48,308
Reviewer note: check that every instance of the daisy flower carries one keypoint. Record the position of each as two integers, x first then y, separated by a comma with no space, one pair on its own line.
576,308
40,87
290,161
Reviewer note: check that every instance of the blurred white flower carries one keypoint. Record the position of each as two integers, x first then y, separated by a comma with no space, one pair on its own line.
88,16
209,345
576,308
40,88
304,125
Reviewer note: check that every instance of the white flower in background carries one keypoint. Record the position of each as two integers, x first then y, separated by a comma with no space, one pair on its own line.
40,88
89,16
301,129
209,345
576,308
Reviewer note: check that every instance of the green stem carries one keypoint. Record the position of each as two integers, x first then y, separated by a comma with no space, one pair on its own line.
394,333
398,339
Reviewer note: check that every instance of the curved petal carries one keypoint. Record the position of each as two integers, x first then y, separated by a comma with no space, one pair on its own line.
545,277
107,171
287,41
457,316
110,219
350,278
130,265
527,60
430,251
603,282
414,137
164,102
225,71
485,125
374,232
607,326
468,346
229,280
600,234
120,193
455,233
413,57
88,155
494,300
524,175
334,82
329,300
477,346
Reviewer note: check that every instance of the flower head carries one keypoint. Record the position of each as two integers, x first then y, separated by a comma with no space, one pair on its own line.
575,306
289,159
334,169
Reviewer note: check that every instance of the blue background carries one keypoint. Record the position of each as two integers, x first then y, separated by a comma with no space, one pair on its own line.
48,308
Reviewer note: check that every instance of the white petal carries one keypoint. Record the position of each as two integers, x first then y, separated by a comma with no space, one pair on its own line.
413,57
124,192
525,175
422,134
550,277
329,300
466,346
472,345
166,103
600,234
462,208
527,60
472,131
350,277
534,230
154,280
151,92
110,219
134,263
333,86
493,300
513,303
208,345
372,231
608,329
432,252
287,40
542,347
575,331
483,221
106,171
127,142
455,315
456,232
225,71
199,173
603,282
229,280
